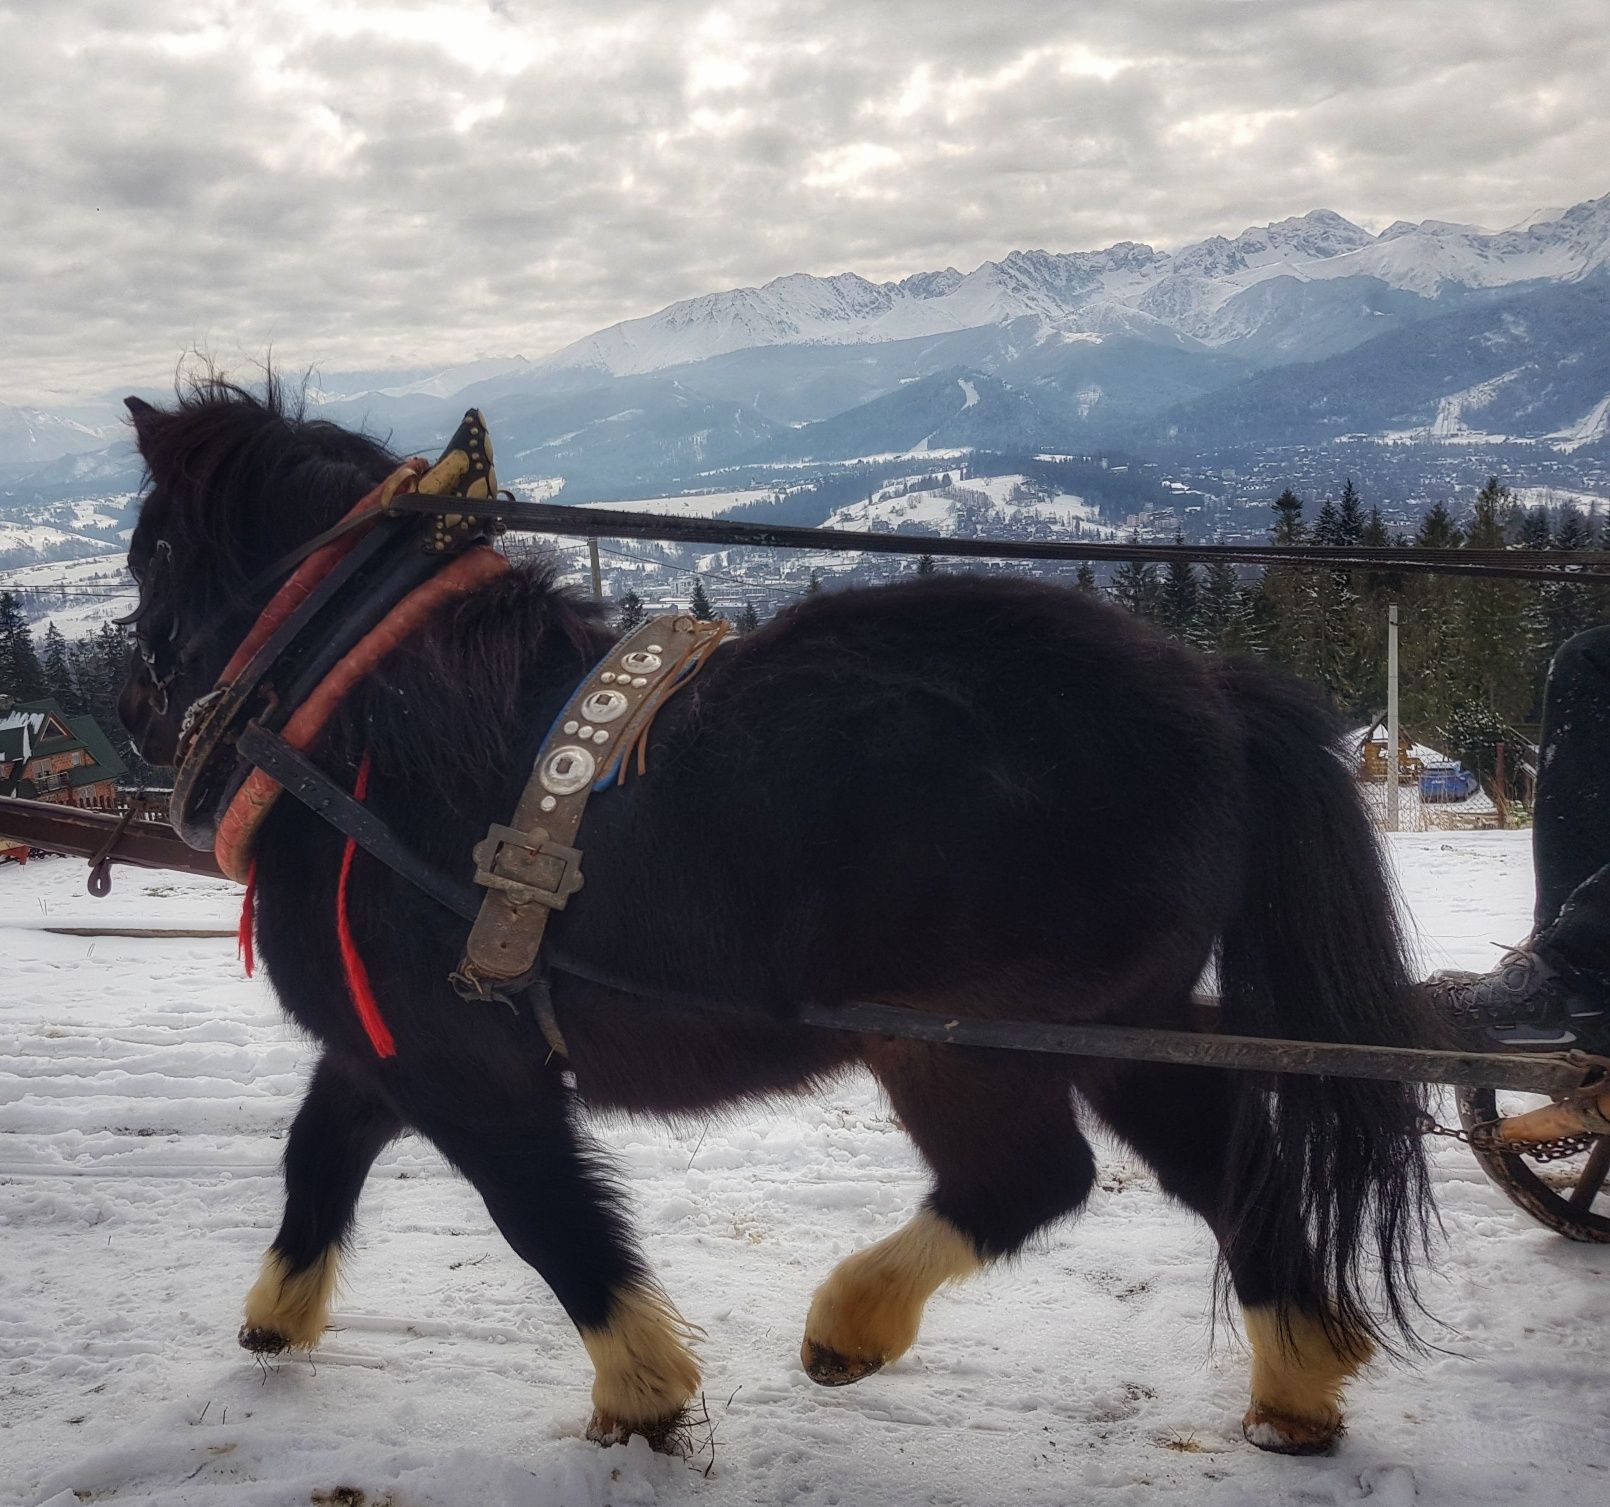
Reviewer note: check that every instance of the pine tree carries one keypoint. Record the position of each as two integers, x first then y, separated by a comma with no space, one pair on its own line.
1327,524
1534,532
1497,656
1430,646
1179,605
1254,628
1567,607
1135,586
814,585
630,613
109,657
1085,579
1290,607
1350,515
21,675
699,603
1288,525
58,670
748,619
1221,601
925,565
1334,651
1377,591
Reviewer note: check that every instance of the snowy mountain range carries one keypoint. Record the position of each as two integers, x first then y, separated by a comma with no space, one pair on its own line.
1307,328
1215,292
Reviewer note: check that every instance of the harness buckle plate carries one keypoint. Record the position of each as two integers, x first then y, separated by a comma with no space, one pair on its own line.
528,867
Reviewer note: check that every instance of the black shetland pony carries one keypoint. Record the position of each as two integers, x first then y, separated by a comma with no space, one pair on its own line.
980,796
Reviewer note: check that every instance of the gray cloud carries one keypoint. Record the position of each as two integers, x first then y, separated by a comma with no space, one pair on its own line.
356,184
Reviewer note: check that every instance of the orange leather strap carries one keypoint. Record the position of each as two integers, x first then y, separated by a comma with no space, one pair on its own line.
239,825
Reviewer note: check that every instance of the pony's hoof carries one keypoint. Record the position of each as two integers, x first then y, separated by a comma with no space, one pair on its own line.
666,1436
827,1368
262,1341
1282,1434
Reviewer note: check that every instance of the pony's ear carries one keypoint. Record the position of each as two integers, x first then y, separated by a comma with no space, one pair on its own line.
143,416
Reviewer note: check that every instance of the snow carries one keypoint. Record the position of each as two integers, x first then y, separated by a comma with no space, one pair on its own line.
691,504
1591,426
1078,295
98,588
1557,497
945,510
144,1090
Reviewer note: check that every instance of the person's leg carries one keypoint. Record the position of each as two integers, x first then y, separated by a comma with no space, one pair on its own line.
1555,987
1571,827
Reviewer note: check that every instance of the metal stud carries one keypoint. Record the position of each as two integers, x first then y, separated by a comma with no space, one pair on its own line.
640,680
567,769
639,663
571,726
586,731
608,677
605,706
547,803
601,736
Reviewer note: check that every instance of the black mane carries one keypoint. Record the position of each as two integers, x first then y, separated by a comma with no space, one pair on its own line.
238,477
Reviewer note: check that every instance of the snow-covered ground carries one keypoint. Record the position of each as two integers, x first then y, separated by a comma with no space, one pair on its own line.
1009,501
78,596
144,1089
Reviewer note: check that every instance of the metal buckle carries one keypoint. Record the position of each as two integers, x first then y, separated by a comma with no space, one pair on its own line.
489,855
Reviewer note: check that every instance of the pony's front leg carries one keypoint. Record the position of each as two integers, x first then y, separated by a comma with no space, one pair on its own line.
340,1129
544,1188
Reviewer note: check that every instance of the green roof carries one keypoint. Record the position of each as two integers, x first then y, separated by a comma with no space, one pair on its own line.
86,734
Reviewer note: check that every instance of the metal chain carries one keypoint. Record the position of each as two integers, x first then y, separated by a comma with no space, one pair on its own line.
1486,1138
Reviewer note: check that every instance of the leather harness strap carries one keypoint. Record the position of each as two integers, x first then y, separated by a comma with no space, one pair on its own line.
531,866
313,643
243,744
251,803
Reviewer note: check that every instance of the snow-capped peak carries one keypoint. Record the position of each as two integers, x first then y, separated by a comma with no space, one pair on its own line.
1191,292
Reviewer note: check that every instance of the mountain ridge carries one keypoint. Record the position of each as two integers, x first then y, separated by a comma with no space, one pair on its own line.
1306,327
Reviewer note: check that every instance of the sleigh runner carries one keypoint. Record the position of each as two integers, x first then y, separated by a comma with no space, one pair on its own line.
400,584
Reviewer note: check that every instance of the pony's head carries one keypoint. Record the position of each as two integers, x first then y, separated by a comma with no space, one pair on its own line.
234,481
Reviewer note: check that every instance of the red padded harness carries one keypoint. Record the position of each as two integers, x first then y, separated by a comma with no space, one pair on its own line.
241,821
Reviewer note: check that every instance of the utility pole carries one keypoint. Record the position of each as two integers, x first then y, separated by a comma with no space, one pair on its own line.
598,573
1392,718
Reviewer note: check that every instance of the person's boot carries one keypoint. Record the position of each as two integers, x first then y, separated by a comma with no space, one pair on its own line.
1528,1000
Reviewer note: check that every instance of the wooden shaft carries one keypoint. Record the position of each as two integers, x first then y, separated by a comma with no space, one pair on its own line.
83,833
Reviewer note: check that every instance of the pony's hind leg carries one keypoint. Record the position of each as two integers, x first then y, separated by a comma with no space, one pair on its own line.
544,1188
1179,1120
999,1133
338,1132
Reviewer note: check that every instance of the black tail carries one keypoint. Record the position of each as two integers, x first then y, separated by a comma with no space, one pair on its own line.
1314,952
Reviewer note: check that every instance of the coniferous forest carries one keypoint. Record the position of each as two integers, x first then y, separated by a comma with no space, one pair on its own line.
1473,654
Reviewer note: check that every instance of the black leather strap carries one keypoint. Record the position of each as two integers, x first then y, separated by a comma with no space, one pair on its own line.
302,778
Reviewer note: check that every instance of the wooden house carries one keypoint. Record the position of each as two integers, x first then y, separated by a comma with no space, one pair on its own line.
50,754
1370,745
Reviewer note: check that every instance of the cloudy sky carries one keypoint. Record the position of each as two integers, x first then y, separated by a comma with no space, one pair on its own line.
361,184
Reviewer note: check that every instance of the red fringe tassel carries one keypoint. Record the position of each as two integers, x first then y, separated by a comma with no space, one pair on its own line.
358,985
243,938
